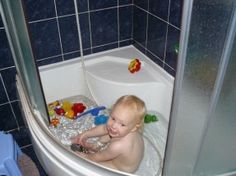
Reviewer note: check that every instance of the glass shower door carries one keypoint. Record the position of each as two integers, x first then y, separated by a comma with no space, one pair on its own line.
17,34
201,138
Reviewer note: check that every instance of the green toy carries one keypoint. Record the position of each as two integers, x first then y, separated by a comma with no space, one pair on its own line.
150,118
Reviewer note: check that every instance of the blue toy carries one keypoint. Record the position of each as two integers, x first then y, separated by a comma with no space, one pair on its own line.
93,111
101,119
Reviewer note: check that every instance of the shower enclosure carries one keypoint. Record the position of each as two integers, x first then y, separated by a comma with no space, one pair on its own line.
202,127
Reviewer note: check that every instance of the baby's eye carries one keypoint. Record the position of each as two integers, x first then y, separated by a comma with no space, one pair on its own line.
123,125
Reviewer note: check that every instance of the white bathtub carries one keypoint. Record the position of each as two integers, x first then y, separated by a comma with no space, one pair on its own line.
107,78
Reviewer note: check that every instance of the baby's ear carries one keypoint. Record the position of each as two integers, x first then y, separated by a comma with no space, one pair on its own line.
137,126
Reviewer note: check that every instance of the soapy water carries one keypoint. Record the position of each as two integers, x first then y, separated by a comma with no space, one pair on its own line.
154,135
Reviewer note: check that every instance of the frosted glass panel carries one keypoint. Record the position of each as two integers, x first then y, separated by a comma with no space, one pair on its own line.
18,38
218,154
208,31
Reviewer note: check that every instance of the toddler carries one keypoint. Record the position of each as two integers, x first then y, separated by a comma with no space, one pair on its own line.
122,133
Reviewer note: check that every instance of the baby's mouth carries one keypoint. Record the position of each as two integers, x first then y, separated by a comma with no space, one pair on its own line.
111,132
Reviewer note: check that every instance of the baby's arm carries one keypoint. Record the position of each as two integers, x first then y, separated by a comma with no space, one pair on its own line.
93,132
112,151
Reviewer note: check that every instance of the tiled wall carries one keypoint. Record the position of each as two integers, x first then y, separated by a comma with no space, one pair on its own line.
105,24
152,25
157,30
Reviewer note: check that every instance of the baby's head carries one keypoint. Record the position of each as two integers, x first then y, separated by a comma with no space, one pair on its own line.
133,108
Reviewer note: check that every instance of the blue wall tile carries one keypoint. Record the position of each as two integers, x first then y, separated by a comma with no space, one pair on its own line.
17,110
50,60
21,137
6,59
9,78
159,8
45,38
176,12
1,23
172,45
140,26
101,4
105,47
104,27
40,9
8,121
65,7
69,33
85,30
125,22
156,36
142,4
3,95
82,5
125,2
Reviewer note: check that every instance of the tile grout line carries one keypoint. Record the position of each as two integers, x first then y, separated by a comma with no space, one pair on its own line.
118,23
167,32
146,41
154,55
90,28
59,32
157,17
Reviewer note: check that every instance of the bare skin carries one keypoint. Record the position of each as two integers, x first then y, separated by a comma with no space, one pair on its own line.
125,144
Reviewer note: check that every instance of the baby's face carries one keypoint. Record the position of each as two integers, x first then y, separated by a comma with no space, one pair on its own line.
121,122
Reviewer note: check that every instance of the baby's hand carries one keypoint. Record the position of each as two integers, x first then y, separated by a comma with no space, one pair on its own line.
79,139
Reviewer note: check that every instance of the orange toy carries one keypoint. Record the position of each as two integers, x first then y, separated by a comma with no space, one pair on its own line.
134,65
54,122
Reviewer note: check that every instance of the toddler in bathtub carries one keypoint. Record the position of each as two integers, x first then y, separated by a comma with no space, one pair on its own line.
122,134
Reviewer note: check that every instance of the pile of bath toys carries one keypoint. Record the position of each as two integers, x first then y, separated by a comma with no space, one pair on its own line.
134,66
74,111
150,118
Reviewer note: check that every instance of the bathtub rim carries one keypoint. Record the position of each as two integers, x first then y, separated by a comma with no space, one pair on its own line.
117,52
41,132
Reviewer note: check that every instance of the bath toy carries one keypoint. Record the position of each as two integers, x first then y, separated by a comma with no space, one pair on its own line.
70,114
53,104
78,108
66,105
79,148
59,111
51,112
176,48
93,111
150,118
101,119
134,65
54,122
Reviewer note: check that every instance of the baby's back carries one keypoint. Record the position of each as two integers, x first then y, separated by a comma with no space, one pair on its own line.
132,152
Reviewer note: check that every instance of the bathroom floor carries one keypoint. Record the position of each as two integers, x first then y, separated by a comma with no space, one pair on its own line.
30,152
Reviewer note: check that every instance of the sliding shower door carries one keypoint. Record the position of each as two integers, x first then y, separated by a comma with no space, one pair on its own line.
18,38
201,139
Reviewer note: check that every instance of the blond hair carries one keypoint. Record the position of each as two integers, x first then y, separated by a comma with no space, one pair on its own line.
136,105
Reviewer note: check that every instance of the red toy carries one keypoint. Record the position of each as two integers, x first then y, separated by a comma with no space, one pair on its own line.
134,65
59,111
78,108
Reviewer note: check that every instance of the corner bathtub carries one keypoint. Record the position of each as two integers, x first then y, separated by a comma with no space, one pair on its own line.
107,78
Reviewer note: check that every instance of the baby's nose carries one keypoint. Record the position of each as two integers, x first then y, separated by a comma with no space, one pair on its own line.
114,125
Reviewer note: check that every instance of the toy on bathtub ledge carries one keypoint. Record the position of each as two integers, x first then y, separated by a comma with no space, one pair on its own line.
150,118
134,66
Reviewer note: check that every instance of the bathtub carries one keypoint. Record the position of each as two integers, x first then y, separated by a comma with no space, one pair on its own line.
105,78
